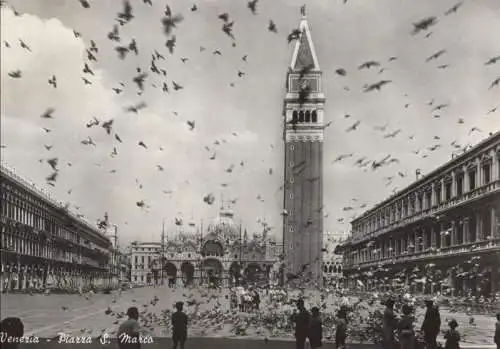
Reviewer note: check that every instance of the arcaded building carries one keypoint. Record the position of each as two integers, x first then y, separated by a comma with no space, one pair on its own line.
332,262
193,253
440,233
43,244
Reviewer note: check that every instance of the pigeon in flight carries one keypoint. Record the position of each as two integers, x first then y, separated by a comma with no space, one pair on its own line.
170,21
252,5
354,126
376,86
48,113
454,8
84,3
423,24
53,81
369,64
272,26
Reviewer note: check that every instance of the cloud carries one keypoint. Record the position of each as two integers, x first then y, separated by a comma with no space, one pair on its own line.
344,35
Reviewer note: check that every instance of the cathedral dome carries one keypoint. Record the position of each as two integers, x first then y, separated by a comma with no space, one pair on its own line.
223,228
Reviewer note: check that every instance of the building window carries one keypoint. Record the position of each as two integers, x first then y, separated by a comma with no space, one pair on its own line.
428,199
308,116
437,191
291,229
472,180
292,147
291,195
301,116
447,190
314,116
486,173
460,184
295,117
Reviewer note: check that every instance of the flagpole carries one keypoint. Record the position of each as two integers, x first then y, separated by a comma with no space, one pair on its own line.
201,251
162,249
241,249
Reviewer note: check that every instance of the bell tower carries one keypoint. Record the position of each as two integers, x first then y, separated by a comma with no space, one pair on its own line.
303,180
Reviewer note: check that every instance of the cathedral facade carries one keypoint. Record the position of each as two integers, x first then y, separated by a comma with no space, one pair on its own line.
303,179
222,253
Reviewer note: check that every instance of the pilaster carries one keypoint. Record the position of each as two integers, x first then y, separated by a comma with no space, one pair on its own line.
433,236
494,165
453,184
442,235
433,195
466,185
479,173
479,226
424,239
443,191
466,231
453,233
495,232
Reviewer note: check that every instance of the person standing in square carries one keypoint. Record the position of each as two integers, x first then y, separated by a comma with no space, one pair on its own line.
452,336
179,326
301,320
341,328
129,331
497,331
315,329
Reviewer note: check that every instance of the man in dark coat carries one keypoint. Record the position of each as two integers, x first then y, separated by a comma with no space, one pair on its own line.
179,326
11,327
431,325
315,329
129,331
389,325
301,320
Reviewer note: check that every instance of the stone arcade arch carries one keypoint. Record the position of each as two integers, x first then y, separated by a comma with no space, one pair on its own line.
212,248
187,270
170,270
234,273
252,272
211,270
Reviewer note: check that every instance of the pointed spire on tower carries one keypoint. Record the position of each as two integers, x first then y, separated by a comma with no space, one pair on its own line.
304,54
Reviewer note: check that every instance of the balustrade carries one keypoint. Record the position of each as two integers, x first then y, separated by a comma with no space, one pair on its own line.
474,247
434,211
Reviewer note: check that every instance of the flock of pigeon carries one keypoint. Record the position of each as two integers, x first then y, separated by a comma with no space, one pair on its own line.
156,76
210,315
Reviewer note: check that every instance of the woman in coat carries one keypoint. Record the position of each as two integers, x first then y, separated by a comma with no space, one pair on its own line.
315,329
389,325
406,331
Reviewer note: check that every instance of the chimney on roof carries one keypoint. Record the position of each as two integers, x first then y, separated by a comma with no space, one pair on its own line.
418,174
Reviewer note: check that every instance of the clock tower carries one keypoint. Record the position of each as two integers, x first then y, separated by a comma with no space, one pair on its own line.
303,180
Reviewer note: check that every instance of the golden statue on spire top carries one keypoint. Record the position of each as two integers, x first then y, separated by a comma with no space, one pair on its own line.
303,10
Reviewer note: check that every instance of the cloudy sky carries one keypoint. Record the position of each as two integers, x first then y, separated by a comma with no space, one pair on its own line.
242,113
